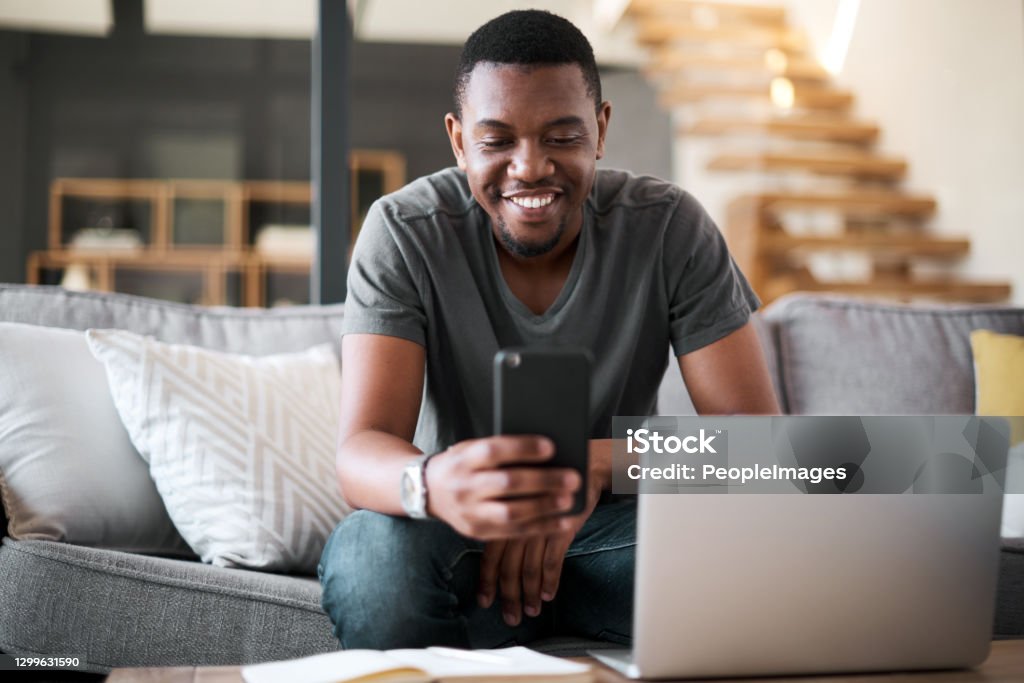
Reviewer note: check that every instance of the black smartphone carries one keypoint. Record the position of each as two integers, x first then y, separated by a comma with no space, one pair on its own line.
546,391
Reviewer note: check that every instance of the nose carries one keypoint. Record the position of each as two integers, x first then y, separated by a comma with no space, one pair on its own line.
530,163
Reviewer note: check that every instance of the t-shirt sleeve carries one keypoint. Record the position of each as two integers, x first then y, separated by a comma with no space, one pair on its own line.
383,293
708,295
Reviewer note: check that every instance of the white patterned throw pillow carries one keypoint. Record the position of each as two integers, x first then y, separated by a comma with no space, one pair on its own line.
241,447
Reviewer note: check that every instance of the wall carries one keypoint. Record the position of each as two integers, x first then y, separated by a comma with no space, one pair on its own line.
168,106
638,128
946,82
129,105
12,135
136,105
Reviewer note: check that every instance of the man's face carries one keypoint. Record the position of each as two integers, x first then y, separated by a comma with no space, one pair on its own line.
529,140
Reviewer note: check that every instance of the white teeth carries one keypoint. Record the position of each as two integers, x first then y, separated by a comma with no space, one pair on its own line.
533,202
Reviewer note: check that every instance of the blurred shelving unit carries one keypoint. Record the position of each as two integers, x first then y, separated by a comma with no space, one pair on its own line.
238,243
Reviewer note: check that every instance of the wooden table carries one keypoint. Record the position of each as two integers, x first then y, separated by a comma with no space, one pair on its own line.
1005,664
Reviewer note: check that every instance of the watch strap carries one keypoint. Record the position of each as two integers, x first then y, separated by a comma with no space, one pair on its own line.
418,468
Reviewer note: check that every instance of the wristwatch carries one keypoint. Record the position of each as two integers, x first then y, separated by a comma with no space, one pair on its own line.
414,487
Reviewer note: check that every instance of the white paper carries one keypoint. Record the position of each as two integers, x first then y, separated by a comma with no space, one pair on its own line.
328,668
437,662
510,661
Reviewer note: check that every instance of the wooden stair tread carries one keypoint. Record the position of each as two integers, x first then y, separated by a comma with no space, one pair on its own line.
875,201
886,243
946,289
725,11
814,98
803,127
668,61
842,163
662,30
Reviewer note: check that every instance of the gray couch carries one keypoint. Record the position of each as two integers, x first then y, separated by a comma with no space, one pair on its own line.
827,355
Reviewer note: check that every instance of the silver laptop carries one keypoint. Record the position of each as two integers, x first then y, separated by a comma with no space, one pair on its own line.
767,584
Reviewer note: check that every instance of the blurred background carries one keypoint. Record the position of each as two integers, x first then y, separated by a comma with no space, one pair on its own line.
166,147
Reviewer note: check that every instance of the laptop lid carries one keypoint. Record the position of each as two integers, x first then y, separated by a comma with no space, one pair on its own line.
763,584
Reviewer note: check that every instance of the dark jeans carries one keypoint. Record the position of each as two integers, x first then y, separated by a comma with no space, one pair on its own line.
393,582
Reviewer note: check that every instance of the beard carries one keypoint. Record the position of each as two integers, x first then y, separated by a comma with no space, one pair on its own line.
526,249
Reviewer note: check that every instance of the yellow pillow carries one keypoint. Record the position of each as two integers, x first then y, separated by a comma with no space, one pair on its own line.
999,377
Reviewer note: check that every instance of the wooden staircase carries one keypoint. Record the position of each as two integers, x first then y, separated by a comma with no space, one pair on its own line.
743,80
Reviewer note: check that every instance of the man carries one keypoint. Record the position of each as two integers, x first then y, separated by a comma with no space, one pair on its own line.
525,243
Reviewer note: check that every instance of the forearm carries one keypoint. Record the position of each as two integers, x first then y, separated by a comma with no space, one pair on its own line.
369,470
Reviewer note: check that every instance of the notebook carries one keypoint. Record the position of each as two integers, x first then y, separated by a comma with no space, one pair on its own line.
421,666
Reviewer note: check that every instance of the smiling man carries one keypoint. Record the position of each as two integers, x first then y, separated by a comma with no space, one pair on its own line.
526,242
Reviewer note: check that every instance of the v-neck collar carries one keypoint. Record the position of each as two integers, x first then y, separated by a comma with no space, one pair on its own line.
513,303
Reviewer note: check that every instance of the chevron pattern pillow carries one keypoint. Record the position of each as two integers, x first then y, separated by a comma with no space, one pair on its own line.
241,448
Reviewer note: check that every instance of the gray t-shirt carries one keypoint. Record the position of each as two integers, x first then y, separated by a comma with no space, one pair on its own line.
650,269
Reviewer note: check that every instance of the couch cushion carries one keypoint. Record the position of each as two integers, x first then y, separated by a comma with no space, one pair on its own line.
120,609
849,357
238,330
117,610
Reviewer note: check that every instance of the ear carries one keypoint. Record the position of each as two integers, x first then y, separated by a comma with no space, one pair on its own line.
603,116
454,128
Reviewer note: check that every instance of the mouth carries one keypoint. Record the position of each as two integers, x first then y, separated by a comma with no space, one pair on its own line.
534,205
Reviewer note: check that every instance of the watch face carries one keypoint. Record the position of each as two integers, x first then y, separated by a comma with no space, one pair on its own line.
408,488
412,491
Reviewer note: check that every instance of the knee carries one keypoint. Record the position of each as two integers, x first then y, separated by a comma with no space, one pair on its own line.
370,549
377,571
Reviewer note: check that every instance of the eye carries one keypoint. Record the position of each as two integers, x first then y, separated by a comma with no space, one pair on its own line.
494,143
563,139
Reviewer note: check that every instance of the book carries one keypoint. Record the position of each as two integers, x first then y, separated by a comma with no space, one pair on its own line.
506,665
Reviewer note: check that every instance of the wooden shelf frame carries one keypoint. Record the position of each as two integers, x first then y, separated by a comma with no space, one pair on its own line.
390,165
213,265
228,192
111,189
234,252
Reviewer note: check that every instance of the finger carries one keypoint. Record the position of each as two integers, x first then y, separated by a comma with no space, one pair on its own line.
524,516
510,579
525,481
554,558
533,571
488,584
496,451
540,527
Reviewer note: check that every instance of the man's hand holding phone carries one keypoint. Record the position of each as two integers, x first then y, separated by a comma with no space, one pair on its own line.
528,570
545,391
525,495
497,488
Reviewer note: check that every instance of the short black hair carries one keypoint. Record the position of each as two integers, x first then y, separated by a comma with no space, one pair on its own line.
527,37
